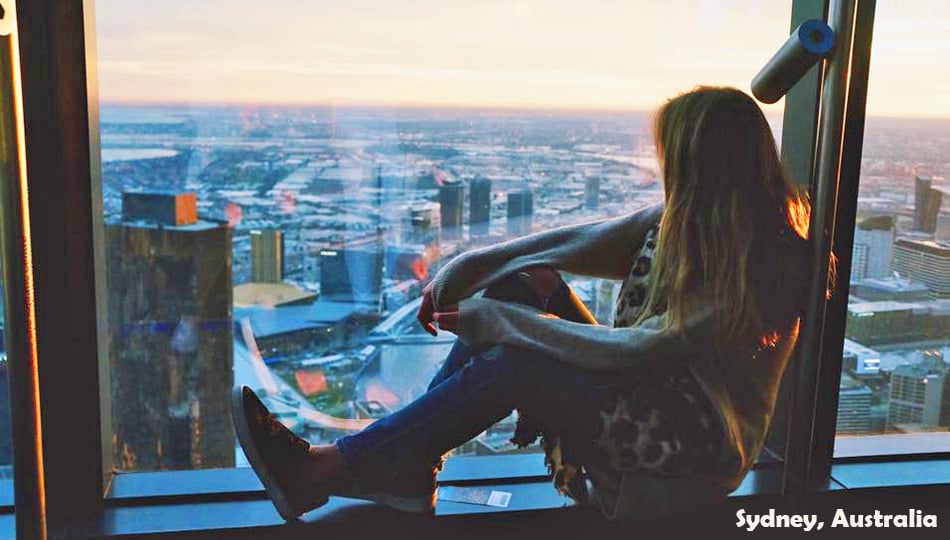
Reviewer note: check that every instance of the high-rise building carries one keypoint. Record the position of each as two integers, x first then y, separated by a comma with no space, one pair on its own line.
881,322
419,225
351,275
160,207
520,212
920,393
480,207
859,260
267,256
451,202
873,248
863,363
854,406
942,233
170,325
888,322
925,261
926,204
888,289
592,192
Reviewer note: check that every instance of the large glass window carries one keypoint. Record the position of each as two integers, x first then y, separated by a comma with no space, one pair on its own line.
895,385
280,181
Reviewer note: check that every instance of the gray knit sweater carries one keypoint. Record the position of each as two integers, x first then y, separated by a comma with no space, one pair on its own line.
743,389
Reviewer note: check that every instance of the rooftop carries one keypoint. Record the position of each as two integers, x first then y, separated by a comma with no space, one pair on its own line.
200,225
862,308
927,246
270,295
281,320
883,222
892,284
854,347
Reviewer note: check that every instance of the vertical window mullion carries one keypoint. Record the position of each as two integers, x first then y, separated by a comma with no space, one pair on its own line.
829,375
799,134
60,104
20,338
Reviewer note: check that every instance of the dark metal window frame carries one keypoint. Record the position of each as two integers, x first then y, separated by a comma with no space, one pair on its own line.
57,46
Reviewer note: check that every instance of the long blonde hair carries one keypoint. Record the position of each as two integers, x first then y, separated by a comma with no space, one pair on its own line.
733,222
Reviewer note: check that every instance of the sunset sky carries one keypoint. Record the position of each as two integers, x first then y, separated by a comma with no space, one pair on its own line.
592,54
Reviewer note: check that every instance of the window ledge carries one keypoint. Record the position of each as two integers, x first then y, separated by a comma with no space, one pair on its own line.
132,516
890,474
259,513
128,517
217,485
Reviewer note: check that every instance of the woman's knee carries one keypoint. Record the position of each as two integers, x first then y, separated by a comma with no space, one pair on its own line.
503,352
520,361
501,359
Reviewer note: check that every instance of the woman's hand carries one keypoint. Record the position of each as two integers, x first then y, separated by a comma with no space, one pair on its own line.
448,319
426,312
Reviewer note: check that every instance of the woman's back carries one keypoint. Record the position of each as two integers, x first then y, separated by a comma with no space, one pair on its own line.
696,415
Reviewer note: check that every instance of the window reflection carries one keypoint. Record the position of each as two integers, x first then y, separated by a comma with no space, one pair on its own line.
254,240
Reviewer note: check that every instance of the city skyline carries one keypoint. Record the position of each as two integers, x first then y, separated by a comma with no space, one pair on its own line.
521,55
381,140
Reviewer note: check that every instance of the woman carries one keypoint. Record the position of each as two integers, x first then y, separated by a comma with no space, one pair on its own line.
667,408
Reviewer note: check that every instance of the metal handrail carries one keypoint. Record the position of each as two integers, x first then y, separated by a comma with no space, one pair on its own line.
798,467
811,42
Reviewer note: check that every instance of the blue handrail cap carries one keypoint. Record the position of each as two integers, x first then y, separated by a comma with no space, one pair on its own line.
816,36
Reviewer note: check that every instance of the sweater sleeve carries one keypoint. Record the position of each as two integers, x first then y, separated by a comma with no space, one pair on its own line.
601,248
484,321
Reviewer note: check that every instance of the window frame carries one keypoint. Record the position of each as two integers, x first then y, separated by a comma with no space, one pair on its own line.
799,123
66,208
836,316
829,375
61,122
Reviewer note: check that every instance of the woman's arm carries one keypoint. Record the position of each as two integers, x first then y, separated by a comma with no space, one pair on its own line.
599,248
484,322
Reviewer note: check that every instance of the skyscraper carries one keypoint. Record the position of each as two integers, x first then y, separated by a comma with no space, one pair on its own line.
170,325
926,204
942,234
267,256
592,192
920,393
520,212
854,406
351,275
873,248
480,207
925,261
451,201
420,224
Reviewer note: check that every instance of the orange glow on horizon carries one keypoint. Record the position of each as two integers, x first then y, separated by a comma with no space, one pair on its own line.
521,54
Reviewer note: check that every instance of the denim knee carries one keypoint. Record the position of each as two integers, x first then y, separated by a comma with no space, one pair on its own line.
512,356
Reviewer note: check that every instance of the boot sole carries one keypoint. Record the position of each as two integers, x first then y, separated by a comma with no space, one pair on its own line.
420,504
273,489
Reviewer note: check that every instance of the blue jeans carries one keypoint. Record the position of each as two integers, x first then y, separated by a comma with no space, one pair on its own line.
472,391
